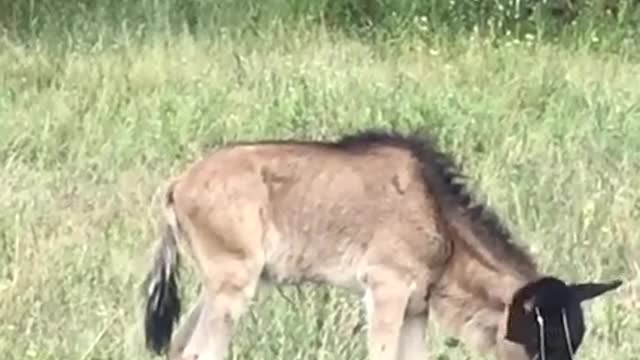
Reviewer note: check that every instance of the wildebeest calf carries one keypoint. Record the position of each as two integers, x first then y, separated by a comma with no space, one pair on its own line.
382,214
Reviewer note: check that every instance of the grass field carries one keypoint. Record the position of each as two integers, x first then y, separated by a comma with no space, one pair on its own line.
89,131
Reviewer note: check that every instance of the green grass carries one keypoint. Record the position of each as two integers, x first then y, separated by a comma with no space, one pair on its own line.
90,129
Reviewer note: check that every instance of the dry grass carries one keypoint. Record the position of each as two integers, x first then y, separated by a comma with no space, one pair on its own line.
552,137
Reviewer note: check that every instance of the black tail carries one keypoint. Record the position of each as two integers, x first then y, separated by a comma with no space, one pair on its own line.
162,300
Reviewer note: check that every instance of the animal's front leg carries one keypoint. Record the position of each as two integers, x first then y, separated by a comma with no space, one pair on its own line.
413,342
386,304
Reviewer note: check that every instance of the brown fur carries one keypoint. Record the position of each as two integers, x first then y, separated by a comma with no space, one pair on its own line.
381,214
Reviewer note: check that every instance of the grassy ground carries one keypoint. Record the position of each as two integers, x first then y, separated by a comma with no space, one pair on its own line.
550,136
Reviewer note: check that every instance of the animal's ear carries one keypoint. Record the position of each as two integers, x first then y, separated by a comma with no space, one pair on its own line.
588,291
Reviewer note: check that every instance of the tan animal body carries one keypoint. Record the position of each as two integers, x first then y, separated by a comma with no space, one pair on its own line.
382,214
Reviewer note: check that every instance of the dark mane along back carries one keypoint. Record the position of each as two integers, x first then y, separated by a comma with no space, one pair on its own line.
442,176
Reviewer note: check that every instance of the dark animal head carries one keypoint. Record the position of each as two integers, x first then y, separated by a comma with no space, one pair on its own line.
545,321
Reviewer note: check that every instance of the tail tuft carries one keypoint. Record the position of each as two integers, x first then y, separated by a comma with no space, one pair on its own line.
162,296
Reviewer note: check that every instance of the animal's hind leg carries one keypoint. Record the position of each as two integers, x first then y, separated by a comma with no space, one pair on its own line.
227,298
183,336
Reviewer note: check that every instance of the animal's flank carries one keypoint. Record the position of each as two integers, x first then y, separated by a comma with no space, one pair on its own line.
162,300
